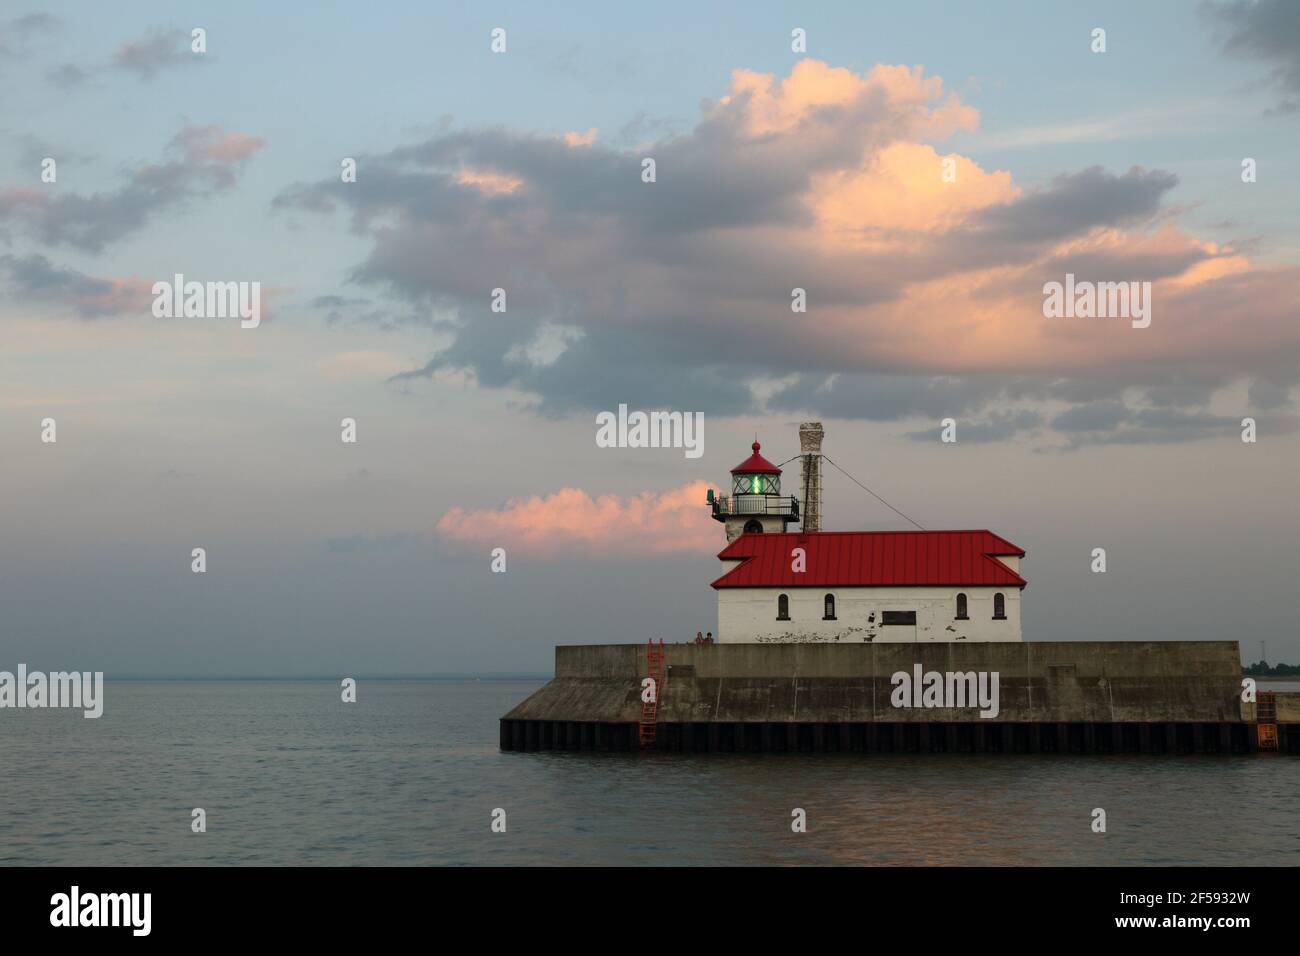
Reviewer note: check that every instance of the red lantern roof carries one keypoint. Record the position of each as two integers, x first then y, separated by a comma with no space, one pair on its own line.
756,464
871,559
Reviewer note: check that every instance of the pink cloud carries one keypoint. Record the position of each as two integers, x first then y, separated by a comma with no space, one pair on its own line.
576,139
214,144
914,102
488,182
656,522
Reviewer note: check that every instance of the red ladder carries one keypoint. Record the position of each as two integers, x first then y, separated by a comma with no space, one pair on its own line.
1266,720
654,658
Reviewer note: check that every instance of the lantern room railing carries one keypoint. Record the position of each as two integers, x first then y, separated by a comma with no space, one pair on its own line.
755,505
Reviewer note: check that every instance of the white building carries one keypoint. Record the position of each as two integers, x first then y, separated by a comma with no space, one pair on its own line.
859,586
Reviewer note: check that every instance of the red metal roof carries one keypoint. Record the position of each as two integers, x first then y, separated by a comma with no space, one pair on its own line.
756,464
871,559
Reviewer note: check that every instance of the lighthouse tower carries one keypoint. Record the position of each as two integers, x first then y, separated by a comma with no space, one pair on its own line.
755,504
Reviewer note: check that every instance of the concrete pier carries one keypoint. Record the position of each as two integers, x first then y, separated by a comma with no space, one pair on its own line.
1054,697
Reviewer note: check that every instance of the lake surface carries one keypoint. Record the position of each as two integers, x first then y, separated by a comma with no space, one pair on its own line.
411,774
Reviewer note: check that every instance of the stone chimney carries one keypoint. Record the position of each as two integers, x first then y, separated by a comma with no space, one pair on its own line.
810,446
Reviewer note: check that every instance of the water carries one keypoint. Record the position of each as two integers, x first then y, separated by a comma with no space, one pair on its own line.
411,774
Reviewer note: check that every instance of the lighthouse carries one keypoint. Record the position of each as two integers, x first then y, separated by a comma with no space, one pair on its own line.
811,585
755,504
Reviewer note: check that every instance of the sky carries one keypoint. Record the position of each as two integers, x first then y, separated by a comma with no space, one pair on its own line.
921,171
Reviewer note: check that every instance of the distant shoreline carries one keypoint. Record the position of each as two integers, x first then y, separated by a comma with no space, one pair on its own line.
1252,671
333,678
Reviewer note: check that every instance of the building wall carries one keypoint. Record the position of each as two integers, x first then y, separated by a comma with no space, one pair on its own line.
1039,681
748,615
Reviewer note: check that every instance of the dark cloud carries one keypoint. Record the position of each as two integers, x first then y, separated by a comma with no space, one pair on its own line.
1117,423
334,302
989,408
35,279
1180,394
597,370
1264,31
362,311
644,128
1095,416
144,57
16,33
1075,203
1268,394
996,427
1153,426
201,161
159,49
68,76
36,276
33,23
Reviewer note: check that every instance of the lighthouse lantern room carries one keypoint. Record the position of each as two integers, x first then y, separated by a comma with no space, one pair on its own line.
755,504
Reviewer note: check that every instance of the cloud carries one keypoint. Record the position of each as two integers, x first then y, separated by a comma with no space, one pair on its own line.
1269,394
144,57
1266,31
576,139
1075,203
33,23
1104,408
1114,423
68,76
34,278
826,180
202,160
212,144
572,521
1136,419
33,149
363,311
998,426
159,49
16,33
1096,416
644,128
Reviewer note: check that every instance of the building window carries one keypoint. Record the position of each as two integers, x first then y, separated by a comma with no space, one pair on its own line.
898,617
783,608
961,608
753,526
999,607
830,608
